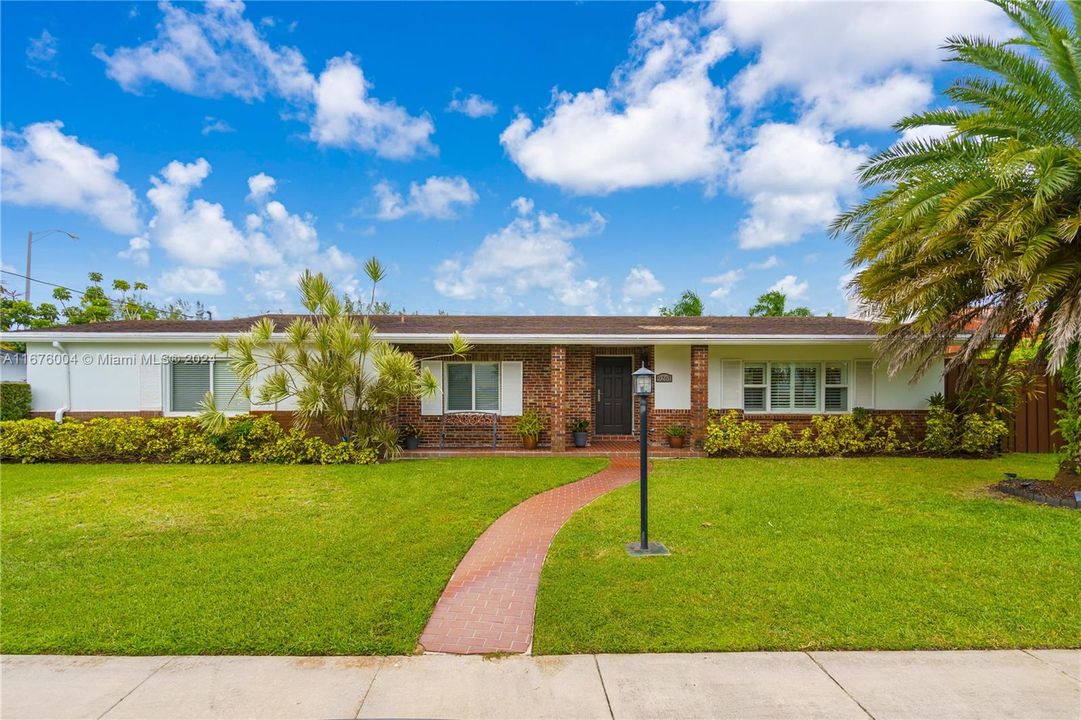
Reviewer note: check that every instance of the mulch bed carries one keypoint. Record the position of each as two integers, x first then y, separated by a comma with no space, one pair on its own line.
1057,492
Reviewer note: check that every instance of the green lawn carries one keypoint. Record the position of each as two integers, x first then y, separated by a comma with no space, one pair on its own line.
822,553
149,559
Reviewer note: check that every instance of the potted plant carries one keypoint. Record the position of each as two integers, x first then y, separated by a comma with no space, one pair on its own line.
581,433
528,426
677,435
410,435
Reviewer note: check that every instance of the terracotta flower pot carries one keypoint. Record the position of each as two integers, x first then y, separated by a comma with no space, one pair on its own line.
676,441
530,443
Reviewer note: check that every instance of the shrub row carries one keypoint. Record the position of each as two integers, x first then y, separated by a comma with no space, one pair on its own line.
855,434
169,440
949,433
14,401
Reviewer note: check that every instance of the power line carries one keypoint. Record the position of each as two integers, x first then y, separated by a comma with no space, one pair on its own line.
80,292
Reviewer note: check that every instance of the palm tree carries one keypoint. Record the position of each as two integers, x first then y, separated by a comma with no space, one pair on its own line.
976,233
689,305
772,304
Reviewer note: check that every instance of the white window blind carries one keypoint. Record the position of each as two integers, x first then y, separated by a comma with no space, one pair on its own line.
227,394
486,386
754,387
805,387
459,386
836,388
190,382
780,386
473,386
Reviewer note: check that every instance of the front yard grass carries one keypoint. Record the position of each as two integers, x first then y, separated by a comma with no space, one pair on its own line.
244,559
801,554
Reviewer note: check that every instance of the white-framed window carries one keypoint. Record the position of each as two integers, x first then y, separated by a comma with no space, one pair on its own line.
795,387
754,387
472,386
835,394
190,380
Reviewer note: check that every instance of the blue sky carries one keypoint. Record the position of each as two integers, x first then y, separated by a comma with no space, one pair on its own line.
499,158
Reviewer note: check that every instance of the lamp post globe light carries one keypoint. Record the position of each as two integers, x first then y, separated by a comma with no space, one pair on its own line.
643,388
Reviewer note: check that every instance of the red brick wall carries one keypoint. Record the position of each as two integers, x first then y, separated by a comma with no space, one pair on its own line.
536,395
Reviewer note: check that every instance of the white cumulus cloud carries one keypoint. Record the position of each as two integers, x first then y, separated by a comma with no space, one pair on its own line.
848,64
658,122
794,177
473,105
534,252
725,283
347,116
260,185
214,51
640,283
192,281
792,288
42,166
437,197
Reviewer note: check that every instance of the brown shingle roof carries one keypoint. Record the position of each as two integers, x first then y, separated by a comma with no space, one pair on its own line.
523,325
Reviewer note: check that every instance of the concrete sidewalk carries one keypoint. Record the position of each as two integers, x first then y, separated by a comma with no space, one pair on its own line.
965,684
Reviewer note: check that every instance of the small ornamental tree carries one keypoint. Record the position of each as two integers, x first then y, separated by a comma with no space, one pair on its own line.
344,378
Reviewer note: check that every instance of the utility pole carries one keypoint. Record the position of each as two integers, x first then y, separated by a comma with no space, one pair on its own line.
29,245
30,249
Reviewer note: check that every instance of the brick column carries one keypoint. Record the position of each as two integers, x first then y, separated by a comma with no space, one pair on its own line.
557,403
699,391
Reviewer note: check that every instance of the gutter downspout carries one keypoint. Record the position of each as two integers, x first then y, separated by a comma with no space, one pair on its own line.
59,416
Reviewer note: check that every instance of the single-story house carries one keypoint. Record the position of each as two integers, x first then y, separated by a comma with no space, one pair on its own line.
569,368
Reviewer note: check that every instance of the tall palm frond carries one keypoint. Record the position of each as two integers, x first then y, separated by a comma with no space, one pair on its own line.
976,235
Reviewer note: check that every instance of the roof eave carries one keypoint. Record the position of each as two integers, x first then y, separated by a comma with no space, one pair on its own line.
474,338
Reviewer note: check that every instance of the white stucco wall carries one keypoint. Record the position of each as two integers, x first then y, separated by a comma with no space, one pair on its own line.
890,393
105,377
676,361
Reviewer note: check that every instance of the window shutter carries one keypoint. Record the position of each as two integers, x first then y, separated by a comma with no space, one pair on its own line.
433,404
150,385
227,393
731,384
510,387
863,384
190,382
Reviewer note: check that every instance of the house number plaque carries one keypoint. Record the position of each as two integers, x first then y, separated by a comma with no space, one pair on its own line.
664,377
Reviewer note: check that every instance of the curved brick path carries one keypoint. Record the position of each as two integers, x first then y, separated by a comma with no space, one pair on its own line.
488,604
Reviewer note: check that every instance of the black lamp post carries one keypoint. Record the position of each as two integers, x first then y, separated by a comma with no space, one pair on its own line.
643,388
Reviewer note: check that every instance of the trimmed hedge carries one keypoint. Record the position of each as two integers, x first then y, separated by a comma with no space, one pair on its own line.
855,434
14,401
828,435
169,440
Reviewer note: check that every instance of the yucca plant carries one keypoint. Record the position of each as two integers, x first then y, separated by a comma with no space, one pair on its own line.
345,378
977,232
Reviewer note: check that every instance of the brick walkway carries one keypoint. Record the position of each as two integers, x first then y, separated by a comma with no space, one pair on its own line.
488,604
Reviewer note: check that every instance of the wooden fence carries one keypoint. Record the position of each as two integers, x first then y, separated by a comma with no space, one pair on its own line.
1032,428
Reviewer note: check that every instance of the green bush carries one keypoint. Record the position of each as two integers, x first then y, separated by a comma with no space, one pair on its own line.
169,440
940,437
727,434
14,401
981,435
973,434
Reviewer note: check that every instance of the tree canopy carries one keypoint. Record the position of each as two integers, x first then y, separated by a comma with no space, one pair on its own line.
772,304
972,235
689,305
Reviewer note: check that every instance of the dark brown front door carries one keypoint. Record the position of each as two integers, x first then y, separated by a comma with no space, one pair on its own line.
613,378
